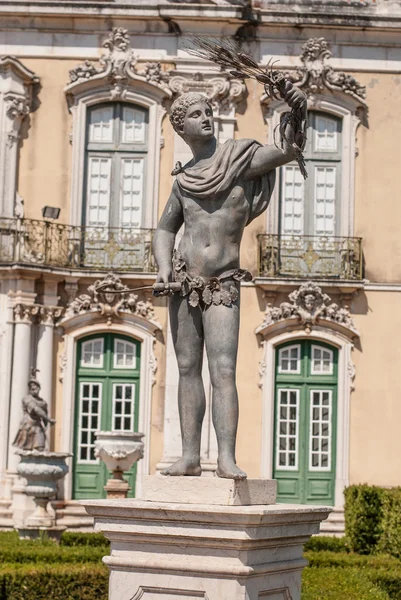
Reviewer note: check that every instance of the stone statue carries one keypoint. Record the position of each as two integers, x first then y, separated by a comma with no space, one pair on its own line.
31,434
215,195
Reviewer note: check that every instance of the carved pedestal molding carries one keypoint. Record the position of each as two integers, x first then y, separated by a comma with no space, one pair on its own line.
17,87
228,553
336,93
117,76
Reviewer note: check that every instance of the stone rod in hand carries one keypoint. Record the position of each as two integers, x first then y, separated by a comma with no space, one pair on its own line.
226,53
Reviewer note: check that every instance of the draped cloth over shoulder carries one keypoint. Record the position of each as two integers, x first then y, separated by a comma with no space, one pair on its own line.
224,170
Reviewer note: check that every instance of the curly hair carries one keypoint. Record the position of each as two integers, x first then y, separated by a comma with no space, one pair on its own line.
180,106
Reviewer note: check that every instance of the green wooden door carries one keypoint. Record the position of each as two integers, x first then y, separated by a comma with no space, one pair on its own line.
106,399
305,422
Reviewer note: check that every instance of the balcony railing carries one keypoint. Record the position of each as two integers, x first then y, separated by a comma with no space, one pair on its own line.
51,244
316,257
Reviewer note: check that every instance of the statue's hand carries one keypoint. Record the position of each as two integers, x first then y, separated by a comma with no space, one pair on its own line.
165,275
294,97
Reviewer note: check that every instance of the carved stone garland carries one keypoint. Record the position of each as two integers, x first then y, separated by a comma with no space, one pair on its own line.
107,297
308,305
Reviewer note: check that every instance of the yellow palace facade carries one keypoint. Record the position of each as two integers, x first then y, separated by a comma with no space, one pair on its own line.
86,154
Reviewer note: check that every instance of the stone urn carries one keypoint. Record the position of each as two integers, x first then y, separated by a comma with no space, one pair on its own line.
119,450
42,470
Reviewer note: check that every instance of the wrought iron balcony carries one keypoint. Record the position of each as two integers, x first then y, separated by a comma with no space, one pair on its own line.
315,257
52,244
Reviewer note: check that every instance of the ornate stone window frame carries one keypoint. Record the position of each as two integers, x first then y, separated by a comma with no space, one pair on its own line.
293,322
17,88
95,313
333,93
117,79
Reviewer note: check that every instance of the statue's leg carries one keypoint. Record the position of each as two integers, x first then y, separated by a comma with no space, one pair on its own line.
187,334
221,326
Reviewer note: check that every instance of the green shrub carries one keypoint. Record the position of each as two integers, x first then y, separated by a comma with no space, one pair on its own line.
329,583
363,516
84,539
55,582
390,539
325,542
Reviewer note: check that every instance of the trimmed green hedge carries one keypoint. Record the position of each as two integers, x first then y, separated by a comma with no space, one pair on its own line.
390,538
55,582
373,519
331,584
363,517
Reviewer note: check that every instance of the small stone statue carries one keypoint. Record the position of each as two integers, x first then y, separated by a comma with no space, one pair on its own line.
220,191
31,434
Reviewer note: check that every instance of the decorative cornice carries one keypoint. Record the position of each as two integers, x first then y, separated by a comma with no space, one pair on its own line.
315,76
223,91
117,67
110,297
309,306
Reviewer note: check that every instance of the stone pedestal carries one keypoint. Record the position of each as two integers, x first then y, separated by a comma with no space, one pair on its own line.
213,551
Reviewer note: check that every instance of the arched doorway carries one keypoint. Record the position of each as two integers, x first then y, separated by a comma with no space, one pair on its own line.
305,422
107,389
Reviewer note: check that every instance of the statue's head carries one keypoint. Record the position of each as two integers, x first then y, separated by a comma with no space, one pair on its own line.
34,387
191,115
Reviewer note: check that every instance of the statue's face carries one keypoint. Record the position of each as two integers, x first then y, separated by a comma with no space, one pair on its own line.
34,389
198,122
310,301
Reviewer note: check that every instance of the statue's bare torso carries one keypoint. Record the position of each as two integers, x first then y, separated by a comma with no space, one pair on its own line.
213,230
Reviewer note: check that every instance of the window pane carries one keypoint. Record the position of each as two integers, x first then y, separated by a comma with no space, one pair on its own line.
290,359
131,191
124,354
133,126
98,191
123,404
320,430
92,356
326,135
325,193
292,211
101,124
89,419
287,429
322,361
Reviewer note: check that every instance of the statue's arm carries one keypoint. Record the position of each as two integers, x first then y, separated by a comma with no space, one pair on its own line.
270,157
164,238
36,412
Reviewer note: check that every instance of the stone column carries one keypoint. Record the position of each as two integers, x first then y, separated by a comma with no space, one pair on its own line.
44,360
220,540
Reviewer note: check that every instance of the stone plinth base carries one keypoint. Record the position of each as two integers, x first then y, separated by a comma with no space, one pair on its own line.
173,551
34,533
209,490
117,488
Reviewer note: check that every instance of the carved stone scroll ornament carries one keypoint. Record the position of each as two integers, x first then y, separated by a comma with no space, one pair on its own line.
223,91
108,297
309,305
315,75
118,64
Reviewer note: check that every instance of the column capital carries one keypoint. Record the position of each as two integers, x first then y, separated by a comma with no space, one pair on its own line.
25,313
48,315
